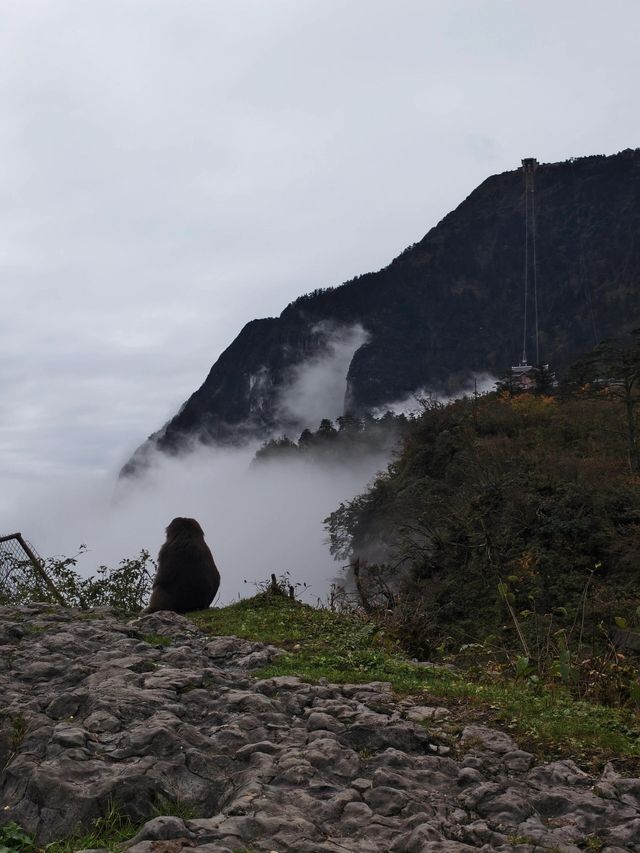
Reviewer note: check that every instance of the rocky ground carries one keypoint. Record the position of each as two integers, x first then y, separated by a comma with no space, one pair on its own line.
154,717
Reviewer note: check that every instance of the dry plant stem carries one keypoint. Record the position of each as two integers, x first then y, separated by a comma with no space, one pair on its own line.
516,622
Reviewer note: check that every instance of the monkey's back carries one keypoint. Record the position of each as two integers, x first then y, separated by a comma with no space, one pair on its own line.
187,576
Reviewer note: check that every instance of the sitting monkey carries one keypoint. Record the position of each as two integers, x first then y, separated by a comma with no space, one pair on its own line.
187,577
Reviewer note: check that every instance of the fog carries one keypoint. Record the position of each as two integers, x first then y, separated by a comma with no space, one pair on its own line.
257,519
478,383
318,385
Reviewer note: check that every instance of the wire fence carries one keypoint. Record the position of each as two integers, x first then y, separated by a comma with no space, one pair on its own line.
22,568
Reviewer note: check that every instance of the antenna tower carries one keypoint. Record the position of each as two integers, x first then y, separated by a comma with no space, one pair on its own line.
529,166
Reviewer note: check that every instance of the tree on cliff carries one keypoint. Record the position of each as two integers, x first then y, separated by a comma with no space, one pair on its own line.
613,369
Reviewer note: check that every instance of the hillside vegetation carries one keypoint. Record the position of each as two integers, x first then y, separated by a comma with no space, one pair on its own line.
508,526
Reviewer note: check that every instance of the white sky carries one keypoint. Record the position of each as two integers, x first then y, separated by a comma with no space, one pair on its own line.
170,169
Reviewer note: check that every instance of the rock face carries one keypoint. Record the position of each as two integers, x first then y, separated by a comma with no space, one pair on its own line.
96,710
448,306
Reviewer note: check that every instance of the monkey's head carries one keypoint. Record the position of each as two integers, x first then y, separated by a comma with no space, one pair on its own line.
184,525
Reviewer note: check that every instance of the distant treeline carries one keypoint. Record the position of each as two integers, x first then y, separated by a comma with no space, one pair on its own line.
348,435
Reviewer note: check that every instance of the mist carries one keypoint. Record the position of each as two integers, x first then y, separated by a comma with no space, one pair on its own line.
318,385
478,383
257,519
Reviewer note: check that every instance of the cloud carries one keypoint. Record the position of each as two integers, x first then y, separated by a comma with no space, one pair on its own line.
257,519
318,386
480,383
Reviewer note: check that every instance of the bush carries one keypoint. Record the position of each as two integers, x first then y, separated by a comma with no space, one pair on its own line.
491,524
125,587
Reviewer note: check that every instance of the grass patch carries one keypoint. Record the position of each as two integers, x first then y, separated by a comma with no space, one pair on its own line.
18,731
318,643
105,832
109,831
34,630
157,640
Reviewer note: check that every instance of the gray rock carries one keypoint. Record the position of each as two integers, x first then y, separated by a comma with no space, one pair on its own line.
102,721
517,761
318,721
426,713
469,776
271,765
385,800
418,840
487,740
162,828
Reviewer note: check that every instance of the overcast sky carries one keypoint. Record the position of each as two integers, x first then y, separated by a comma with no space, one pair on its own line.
170,169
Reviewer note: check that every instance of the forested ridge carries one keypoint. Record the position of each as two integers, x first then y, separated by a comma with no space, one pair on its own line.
510,520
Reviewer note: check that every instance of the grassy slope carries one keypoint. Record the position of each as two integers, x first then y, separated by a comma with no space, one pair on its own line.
345,649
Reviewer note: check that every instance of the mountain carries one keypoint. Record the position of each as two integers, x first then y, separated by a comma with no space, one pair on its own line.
449,306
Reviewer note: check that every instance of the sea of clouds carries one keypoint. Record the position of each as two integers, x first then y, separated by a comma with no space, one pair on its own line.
257,519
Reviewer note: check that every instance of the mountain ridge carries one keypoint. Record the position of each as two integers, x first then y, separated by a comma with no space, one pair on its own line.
446,307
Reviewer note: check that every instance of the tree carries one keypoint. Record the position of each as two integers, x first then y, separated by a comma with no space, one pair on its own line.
306,439
275,448
544,379
326,430
349,423
507,384
613,367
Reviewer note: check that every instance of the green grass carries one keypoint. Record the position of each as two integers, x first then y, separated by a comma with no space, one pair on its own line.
345,649
105,832
34,630
18,731
109,831
157,640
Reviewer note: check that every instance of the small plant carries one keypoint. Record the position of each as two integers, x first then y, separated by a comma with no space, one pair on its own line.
522,667
18,731
520,839
13,839
279,585
176,808
106,832
157,640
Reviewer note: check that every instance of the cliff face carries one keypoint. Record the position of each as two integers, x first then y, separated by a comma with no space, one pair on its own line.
449,305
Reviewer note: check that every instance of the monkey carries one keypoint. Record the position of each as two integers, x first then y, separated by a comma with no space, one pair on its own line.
187,577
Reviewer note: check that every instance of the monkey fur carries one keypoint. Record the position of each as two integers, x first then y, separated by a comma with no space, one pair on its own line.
187,577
